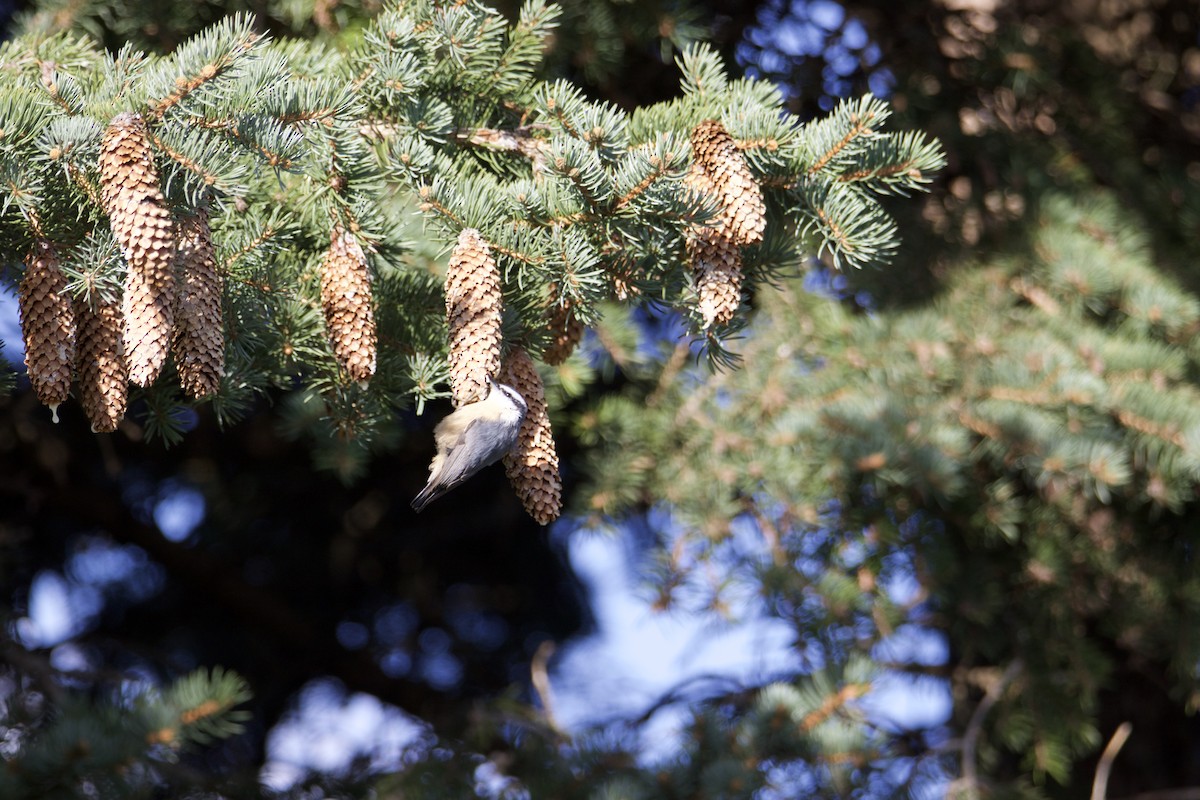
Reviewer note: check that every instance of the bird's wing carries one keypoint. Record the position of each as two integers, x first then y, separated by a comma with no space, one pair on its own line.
456,462
449,466
449,431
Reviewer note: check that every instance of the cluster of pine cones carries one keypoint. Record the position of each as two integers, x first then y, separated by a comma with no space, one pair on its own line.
474,309
171,299
171,302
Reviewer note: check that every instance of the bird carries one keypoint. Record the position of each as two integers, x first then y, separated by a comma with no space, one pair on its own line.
471,438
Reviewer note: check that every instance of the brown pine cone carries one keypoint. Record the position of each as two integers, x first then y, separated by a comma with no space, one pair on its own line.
103,377
141,223
348,305
532,464
741,196
474,305
199,346
716,261
48,326
567,331
717,265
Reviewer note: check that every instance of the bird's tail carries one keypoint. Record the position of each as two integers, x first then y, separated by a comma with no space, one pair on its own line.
425,496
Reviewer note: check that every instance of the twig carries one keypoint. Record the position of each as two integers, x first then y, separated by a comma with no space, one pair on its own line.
770,533
675,363
618,353
539,675
832,704
1105,765
685,692
860,126
1182,793
969,782
37,667
520,140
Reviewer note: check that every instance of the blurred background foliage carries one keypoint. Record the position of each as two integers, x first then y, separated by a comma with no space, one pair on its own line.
1002,422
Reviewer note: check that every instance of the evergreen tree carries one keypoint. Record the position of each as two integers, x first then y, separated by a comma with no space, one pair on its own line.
1010,427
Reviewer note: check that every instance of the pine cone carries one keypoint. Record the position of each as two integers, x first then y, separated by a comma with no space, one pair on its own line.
717,265
716,261
567,331
621,273
141,223
48,325
100,364
199,346
717,154
474,306
532,464
347,301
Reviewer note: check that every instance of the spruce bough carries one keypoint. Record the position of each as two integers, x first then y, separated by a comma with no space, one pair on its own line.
288,146
237,217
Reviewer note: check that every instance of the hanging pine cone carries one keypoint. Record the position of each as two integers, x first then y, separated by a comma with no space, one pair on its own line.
474,306
717,266
347,301
566,329
716,261
100,364
48,326
199,346
141,223
741,196
621,273
532,464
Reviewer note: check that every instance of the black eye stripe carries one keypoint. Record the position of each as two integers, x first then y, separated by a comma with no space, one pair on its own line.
512,393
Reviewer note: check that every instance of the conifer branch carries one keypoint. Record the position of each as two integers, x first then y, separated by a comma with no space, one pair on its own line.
47,73
886,171
539,676
642,186
555,109
1036,295
770,144
181,158
670,371
601,213
232,128
324,116
969,781
258,241
861,126
779,182
567,220
1033,397
378,130
835,231
573,175
80,179
979,426
833,704
520,140
430,203
1165,433
524,258
185,85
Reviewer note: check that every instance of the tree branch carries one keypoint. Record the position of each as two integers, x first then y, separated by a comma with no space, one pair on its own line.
1104,766
969,782
1183,793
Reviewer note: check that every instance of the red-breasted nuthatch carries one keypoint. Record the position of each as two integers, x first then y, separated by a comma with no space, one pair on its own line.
471,438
